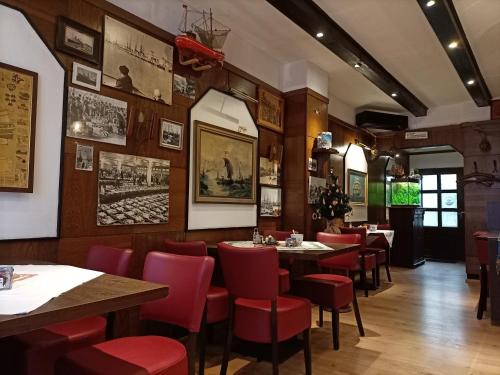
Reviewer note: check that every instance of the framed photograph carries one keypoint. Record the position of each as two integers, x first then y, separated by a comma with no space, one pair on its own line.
225,165
316,187
132,190
86,76
270,112
269,172
136,62
185,86
18,97
357,187
84,158
78,40
312,165
96,118
171,134
270,201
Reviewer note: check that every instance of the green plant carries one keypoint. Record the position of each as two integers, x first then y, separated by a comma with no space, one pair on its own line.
333,203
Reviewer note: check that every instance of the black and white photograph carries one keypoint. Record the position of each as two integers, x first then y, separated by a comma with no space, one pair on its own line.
86,76
312,165
269,172
316,187
171,134
96,118
185,86
136,62
270,201
132,190
84,158
78,40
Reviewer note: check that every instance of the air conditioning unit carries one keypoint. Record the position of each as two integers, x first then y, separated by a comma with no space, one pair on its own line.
381,120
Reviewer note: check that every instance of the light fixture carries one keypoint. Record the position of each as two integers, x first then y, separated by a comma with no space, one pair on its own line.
430,3
453,45
470,82
319,35
357,65
397,155
394,94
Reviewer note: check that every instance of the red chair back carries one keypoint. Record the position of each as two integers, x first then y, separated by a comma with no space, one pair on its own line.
384,226
250,272
188,278
360,230
481,245
338,238
193,248
112,260
279,235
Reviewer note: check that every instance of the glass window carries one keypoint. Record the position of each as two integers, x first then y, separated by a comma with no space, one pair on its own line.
448,200
430,219
449,181
429,182
429,200
448,219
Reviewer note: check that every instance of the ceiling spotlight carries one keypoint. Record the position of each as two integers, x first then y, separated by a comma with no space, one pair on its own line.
357,65
471,82
397,155
453,45
430,3
319,35
394,94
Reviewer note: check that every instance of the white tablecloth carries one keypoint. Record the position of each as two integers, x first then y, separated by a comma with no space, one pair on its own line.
38,284
388,234
306,245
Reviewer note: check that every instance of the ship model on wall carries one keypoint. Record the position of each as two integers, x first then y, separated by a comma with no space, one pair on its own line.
201,40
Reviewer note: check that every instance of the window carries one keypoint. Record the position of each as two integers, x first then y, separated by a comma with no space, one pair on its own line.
440,200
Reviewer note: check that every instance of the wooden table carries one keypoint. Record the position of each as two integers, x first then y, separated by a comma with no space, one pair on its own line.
106,293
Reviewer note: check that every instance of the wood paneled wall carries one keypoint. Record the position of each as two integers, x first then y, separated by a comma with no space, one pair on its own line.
79,195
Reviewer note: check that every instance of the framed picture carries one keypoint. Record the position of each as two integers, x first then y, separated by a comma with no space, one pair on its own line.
78,40
270,112
270,201
84,158
316,187
357,187
136,62
171,134
225,165
185,86
269,172
132,190
96,118
86,76
312,165
18,97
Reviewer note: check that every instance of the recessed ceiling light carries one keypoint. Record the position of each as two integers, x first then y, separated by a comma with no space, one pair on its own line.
319,35
357,65
471,82
453,44
430,3
394,94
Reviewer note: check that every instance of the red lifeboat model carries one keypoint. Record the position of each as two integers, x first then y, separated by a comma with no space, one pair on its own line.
205,53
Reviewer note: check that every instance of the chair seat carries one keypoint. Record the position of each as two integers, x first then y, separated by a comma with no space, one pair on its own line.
348,262
284,280
130,355
253,318
217,304
328,290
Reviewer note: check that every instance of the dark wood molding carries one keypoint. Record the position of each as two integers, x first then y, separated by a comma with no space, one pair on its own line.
311,18
308,91
444,20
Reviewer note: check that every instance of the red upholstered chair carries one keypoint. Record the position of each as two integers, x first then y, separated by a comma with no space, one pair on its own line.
281,235
380,254
37,351
481,245
256,312
350,263
153,354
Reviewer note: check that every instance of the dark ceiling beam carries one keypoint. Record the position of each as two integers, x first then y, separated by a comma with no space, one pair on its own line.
312,19
446,24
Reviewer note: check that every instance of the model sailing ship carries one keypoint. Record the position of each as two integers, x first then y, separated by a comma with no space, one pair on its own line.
200,42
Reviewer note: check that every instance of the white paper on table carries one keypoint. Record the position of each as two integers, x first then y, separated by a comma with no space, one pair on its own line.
306,245
49,281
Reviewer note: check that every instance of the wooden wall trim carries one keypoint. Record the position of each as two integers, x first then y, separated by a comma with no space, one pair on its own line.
308,91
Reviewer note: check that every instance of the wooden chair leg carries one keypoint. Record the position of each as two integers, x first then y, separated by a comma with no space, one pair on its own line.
202,341
229,337
377,275
374,278
307,350
364,284
274,337
483,294
192,344
358,315
320,316
335,329
387,271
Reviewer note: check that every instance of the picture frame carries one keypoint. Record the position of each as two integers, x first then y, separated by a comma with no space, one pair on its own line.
18,90
270,111
137,62
269,172
171,134
316,187
78,40
225,165
86,76
357,187
270,201
84,158
312,165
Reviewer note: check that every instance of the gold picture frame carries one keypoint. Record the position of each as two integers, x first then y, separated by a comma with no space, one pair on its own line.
357,187
271,111
225,165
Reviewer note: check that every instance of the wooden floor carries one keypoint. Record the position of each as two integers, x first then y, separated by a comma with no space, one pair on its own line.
423,323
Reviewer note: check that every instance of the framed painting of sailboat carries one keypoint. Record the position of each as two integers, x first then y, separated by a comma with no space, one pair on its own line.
225,165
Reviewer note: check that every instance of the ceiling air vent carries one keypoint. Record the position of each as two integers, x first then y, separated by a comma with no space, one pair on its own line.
381,120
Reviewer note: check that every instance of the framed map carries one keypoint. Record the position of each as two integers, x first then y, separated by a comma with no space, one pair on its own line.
18,90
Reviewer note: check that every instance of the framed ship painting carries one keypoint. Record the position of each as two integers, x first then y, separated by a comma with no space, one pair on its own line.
18,94
225,165
78,40
357,187
136,62
270,201
270,112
